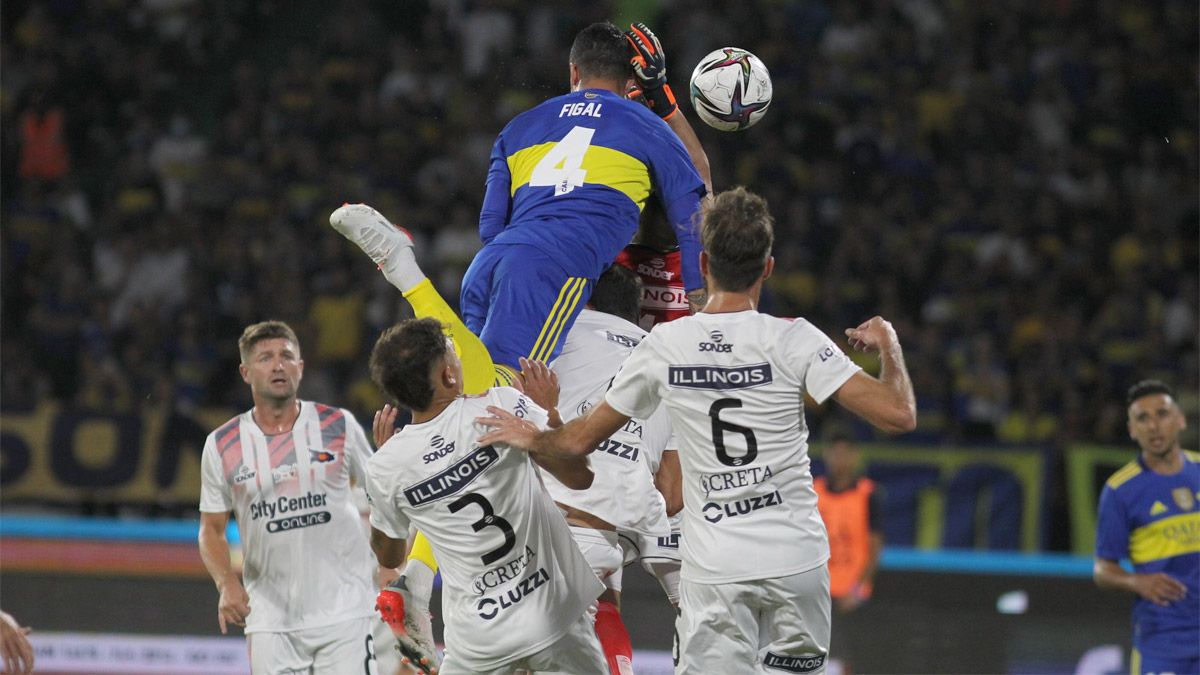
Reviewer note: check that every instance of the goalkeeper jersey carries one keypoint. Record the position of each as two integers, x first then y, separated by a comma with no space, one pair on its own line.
572,175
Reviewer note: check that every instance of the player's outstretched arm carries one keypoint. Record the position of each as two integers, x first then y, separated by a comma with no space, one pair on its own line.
576,438
887,402
234,605
1159,588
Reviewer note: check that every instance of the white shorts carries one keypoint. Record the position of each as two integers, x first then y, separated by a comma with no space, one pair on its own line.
577,652
769,626
602,550
345,648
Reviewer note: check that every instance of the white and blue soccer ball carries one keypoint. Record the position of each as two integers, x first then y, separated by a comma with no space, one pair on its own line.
730,89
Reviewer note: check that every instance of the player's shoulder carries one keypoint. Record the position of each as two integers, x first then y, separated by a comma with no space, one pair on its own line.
1122,476
228,431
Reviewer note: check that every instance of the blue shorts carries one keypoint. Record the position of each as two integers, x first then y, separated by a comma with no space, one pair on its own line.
520,302
1166,651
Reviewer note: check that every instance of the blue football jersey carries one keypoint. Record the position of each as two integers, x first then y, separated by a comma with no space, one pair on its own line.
1154,521
571,176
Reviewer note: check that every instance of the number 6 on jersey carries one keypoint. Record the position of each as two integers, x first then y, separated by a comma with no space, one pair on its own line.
562,167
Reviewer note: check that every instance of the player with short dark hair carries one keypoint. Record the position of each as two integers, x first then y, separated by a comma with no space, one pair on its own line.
754,587
286,467
1150,514
515,586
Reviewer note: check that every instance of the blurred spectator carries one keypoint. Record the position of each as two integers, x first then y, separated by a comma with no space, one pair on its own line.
1018,181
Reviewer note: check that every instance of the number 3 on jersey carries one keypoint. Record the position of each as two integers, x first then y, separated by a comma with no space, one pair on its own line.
562,167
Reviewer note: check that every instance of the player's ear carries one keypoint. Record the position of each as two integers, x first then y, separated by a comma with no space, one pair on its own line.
574,77
704,263
769,267
244,372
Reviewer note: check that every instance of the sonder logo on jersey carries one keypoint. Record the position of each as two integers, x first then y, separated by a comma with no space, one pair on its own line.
453,478
717,343
719,377
439,448
656,271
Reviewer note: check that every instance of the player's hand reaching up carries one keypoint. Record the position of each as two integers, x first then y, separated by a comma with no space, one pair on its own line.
876,334
384,426
650,70
18,653
507,428
541,386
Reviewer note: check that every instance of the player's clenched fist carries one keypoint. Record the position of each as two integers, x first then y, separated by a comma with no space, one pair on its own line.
875,334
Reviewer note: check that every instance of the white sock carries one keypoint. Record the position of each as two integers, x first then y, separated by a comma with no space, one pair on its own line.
419,580
402,271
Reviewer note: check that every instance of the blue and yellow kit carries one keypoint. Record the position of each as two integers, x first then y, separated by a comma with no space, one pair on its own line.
566,184
1153,520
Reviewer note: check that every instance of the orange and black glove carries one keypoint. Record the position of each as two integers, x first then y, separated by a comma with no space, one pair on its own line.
650,70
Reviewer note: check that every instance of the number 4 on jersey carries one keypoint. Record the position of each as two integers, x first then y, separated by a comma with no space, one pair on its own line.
562,167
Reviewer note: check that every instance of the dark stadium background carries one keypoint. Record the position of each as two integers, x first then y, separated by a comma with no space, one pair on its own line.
1013,184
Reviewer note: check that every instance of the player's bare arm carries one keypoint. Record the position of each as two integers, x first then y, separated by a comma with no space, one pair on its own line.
234,605
669,481
1161,589
389,552
887,402
576,438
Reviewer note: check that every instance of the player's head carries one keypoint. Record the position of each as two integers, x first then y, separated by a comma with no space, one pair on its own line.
414,361
737,232
600,55
1155,419
618,291
841,457
271,362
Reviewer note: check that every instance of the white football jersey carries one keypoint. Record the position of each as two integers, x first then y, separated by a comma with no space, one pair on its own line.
623,493
514,580
307,559
734,384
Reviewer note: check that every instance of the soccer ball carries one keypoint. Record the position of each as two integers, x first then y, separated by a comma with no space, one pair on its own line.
730,89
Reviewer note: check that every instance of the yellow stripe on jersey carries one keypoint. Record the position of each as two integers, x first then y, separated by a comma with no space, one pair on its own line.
602,166
1165,538
568,297
1124,474
1192,455
1135,662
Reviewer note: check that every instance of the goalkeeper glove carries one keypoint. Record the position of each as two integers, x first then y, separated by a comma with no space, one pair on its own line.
650,70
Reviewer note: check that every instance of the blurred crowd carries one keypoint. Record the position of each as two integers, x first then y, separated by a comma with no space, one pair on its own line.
1014,184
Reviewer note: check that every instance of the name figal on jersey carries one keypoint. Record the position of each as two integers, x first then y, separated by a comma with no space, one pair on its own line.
503,573
490,607
453,478
727,480
719,377
715,513
438,448
578,109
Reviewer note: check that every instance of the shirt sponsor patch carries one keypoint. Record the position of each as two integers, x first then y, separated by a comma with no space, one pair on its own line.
794,664
719,377
453,478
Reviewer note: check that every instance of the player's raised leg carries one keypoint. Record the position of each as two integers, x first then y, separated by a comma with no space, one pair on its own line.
391,248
